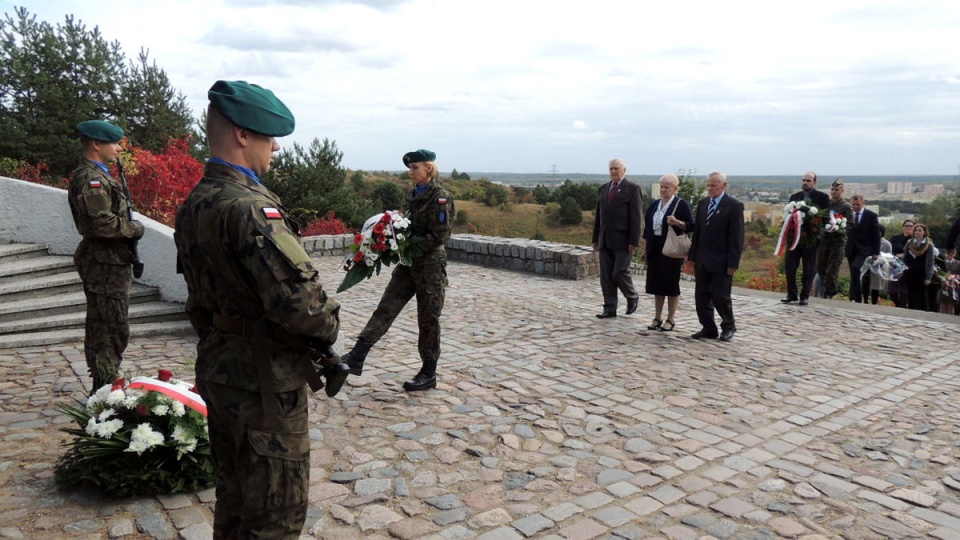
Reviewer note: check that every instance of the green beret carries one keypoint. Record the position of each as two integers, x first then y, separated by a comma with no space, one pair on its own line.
251,107
418,156
837,183
100,130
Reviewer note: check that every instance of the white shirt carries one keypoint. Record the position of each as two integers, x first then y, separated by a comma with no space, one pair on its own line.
658,215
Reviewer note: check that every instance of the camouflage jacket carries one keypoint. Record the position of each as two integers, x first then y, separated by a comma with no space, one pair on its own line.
242,259
99,210
431,214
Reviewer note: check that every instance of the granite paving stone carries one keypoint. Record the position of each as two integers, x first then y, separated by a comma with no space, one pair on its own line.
549,423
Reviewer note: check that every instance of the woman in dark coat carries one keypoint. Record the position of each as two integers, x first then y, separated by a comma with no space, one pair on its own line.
918,255
663,273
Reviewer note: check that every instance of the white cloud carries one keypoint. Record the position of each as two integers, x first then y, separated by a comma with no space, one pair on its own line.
749,86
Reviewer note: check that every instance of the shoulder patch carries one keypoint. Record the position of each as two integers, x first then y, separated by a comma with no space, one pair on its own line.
271,213
95,183
442,200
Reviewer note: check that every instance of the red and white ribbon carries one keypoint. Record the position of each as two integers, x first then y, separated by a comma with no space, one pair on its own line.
188,398
793,223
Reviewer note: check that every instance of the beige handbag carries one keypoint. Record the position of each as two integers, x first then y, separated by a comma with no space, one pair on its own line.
676,246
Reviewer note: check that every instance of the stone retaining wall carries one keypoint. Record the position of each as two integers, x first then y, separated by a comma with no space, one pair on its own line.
537,257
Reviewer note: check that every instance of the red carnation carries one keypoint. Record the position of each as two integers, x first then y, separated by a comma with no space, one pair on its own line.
386,218
358,239
379,228
164,375
358,256
119,382
143,409
194,389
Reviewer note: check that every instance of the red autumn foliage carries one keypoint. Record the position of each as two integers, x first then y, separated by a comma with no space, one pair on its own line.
775,281
159,183
32,173
329,224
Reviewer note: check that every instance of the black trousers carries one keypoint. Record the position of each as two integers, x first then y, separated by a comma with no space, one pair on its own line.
712,292
808,256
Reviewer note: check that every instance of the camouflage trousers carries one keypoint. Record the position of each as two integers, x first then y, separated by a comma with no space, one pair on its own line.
262,461
426,279
829,258
107,329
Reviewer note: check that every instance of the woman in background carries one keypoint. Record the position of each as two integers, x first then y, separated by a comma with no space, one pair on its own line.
918,255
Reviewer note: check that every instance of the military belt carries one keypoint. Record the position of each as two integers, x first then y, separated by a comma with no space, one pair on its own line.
233,325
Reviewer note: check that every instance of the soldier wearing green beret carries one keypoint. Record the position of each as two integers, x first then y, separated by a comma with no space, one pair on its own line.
256,302
103,257
431,210
831,250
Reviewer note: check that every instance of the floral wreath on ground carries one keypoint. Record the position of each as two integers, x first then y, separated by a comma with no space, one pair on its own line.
142,438
385,239
801,227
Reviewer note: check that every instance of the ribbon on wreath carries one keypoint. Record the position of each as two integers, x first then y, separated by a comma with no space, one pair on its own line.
792,223
188,398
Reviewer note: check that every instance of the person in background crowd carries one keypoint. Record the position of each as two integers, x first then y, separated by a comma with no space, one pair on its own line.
616,236
663,273
918,255
897,289
877,283
863,241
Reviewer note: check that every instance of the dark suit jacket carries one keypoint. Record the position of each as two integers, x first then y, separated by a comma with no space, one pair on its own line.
863,239
819,199
617,225
718,246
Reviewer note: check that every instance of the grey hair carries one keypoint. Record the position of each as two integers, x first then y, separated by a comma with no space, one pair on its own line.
617,160
671,179
718,174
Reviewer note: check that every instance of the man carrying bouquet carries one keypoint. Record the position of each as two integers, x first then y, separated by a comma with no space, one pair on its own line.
430,210
257,304
830,255
806,250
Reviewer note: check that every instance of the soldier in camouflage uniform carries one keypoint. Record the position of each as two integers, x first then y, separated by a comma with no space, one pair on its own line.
256,302
430,210
103,257
831,250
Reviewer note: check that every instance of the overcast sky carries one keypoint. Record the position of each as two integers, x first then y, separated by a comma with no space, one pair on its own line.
841,87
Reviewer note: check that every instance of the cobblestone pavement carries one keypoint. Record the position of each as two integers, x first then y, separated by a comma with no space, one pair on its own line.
823,421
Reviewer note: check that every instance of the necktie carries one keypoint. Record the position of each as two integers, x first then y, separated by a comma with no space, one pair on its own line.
613,189
711,210
857,221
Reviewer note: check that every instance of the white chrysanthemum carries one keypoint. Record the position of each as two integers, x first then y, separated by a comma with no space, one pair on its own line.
370,257
106,429
144,438
133,396
813,210
116,398
185,440
160,410
106,414
92,427
178,409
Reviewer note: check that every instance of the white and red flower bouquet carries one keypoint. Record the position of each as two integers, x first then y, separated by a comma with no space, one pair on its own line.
836,224
144,437
385,239
801,227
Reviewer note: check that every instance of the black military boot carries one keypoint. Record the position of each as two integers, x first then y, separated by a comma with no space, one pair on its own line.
424,380
335,375
356,356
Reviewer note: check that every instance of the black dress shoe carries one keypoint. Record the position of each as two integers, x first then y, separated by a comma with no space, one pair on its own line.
727,335
788,299
632,305
607,315
336,375
420,381
703,334
803,301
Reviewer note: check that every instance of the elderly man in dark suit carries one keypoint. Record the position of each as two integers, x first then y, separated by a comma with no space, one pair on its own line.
616,235
863,241
715,253
805,251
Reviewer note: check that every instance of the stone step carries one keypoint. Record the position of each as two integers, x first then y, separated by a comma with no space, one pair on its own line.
139,313
75,335
34,267
64,302
16,252
41,286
